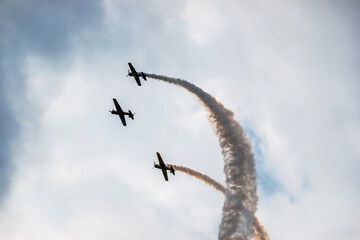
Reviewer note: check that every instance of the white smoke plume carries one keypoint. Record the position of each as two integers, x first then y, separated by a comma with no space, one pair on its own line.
239,163
260,232
202,177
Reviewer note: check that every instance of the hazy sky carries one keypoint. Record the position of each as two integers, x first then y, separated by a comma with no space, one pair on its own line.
289,70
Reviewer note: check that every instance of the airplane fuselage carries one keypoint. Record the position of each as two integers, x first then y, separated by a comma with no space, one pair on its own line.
131,115
133,75
162,167
137,74
166,167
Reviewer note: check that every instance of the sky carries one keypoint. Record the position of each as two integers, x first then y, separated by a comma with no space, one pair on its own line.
289,70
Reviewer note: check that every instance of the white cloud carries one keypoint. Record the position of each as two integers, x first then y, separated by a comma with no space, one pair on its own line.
204,20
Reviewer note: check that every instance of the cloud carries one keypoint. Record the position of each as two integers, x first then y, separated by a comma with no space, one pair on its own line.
204,20
32,28
9,129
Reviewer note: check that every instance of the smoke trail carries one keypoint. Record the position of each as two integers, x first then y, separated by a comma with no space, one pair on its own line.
202,177
260,232
239,163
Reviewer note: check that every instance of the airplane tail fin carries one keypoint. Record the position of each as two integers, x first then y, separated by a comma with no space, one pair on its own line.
172,170
143,76
128,73
131,115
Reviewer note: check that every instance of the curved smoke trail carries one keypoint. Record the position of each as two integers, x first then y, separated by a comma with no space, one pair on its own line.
208,180
239,163
260,232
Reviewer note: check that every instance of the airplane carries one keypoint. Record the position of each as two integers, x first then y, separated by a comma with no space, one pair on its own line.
164,167
136,74
121,113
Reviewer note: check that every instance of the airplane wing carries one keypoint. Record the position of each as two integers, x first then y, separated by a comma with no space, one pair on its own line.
137,79
165,174
160,160
132,69
120,111
117,106
122,118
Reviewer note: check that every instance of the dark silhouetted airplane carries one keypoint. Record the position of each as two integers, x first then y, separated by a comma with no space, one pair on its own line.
136,74
121,113
164,167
